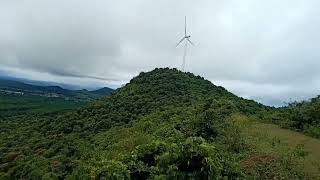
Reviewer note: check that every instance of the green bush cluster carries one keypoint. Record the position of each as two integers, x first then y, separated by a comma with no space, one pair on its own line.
301,116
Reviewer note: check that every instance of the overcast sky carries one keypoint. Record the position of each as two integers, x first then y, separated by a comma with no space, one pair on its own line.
265,50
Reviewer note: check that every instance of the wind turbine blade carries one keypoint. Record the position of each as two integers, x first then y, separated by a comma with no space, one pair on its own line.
190,42
180,41
185,26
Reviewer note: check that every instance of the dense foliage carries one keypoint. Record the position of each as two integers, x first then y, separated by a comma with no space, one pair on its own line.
163,124
13,105
300,116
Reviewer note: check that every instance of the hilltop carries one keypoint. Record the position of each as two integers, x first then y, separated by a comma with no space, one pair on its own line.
157,91
163,124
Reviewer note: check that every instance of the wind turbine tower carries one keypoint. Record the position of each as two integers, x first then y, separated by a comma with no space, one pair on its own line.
186,40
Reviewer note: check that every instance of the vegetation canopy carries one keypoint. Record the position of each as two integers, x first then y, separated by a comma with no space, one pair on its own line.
164,124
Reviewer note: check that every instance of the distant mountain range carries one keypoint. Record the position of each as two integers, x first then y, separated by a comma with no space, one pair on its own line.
15,87
47,83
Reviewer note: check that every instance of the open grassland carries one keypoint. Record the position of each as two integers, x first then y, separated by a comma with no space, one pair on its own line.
272,140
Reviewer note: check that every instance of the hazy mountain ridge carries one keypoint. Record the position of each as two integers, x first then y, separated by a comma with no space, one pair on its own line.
43,83
20,88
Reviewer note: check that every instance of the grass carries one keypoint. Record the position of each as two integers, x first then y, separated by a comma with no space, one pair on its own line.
292,140
271,139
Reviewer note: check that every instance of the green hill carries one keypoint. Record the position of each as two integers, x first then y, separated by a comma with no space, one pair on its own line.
103,91
164,124
157,91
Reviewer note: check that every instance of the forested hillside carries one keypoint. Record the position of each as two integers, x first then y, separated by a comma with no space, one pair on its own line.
164,124
301,116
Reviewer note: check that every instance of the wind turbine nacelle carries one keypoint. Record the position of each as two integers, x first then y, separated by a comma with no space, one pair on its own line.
187,36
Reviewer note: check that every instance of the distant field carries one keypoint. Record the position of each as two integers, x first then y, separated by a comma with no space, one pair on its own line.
20,104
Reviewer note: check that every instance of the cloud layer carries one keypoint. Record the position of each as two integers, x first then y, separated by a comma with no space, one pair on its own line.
265,50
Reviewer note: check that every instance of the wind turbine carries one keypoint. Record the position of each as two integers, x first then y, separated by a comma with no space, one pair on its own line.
187,41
